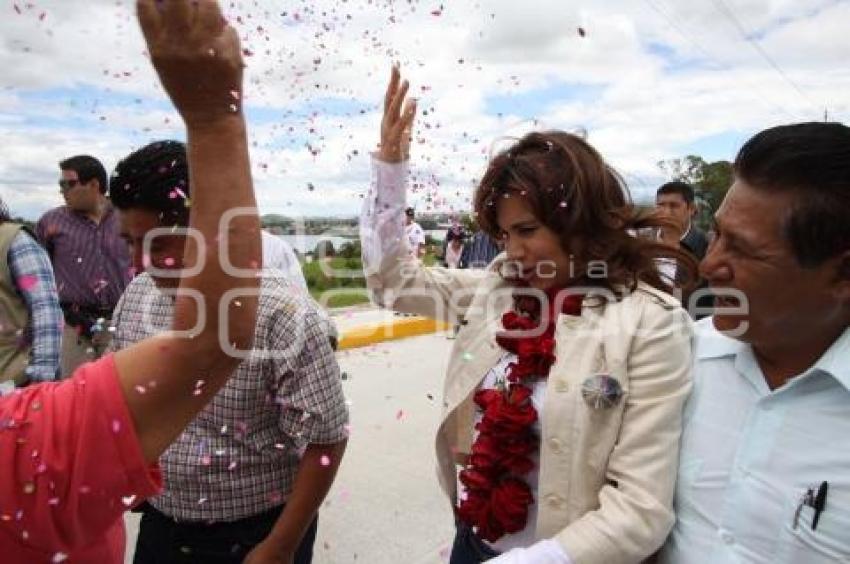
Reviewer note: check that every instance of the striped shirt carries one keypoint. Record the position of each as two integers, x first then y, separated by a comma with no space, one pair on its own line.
239,457
30,268
90,260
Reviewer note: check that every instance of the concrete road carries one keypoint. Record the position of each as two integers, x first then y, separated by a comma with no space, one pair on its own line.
385,506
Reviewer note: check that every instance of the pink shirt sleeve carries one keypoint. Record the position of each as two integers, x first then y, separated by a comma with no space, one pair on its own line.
70,461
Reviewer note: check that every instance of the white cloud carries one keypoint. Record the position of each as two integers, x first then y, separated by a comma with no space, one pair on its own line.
663,76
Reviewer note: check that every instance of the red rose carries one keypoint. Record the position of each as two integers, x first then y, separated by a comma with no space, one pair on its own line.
475,508
485,453
518,372
519,394
509,502
475,479
488,527
513,321
497,500
484,398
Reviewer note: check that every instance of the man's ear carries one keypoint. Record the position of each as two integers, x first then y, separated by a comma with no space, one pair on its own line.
842,278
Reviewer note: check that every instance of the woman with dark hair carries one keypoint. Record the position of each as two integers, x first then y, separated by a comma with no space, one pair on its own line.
564,394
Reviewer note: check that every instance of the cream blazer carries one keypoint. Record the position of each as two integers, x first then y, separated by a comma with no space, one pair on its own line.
607,476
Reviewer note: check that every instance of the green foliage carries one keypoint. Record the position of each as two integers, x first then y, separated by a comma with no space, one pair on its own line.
710,182
340,299
350,249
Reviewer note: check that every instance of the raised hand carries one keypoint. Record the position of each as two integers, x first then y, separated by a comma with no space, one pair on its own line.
196,55
397,123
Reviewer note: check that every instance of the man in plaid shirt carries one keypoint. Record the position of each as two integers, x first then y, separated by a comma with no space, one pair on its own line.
27,297
245,480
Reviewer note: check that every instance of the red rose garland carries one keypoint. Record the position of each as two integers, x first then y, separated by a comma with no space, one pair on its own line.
498,497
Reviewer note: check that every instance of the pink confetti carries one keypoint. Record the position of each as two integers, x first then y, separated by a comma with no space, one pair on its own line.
116,426
325,460
400,414
27,282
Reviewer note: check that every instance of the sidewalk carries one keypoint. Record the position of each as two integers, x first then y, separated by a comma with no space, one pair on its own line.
386,506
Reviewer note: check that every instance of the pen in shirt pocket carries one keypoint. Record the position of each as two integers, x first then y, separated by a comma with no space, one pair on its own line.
814,499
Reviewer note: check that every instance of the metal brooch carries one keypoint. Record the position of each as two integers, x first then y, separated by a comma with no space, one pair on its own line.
601,391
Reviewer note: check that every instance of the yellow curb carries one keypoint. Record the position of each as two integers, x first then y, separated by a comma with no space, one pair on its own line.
364,335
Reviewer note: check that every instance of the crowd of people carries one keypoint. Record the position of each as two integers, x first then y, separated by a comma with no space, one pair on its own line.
165,358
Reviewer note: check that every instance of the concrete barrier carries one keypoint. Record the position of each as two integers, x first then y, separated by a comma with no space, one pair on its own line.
369,334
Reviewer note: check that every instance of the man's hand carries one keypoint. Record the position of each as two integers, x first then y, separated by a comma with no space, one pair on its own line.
268,553
397,124
196,55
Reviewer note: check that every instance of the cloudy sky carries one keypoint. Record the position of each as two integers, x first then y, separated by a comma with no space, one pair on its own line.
646,79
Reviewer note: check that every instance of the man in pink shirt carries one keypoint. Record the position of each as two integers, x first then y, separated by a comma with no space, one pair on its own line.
75,455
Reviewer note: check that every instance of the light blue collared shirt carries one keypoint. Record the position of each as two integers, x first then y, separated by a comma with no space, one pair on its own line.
749,454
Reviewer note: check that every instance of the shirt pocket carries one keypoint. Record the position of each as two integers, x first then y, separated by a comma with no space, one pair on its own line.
829,543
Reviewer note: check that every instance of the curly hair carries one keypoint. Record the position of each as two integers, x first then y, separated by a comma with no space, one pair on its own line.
573,192
154,178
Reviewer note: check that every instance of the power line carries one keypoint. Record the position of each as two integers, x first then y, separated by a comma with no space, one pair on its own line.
724,9
754,88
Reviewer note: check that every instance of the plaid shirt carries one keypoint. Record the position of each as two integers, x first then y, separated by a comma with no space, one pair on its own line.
91,262
240,455
28,261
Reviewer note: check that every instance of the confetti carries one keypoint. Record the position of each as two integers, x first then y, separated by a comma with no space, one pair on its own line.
325,460
27,282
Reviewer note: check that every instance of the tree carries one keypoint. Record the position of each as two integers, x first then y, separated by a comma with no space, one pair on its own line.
710,182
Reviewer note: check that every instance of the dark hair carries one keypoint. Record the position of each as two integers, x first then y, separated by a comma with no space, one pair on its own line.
86,167
678,187
154,178
812,160
572,191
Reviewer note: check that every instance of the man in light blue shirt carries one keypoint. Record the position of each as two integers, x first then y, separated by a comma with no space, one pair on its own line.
764,474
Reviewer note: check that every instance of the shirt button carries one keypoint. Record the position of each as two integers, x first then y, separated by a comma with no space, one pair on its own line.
562,386
726,536
555,445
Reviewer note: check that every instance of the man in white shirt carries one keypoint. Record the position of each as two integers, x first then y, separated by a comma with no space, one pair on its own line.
415,234
278,255
764,473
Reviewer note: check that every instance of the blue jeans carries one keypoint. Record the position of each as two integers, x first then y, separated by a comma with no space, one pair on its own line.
468,548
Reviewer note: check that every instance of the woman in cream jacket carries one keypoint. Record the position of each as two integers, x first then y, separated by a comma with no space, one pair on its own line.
607,419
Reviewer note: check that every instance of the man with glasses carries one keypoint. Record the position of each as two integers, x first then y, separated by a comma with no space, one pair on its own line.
90,261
